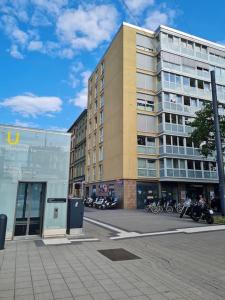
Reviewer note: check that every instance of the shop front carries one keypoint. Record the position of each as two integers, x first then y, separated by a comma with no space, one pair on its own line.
34,169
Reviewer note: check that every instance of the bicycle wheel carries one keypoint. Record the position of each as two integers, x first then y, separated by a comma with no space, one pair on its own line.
155,209
169,209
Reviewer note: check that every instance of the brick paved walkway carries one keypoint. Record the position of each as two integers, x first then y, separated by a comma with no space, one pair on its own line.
171,267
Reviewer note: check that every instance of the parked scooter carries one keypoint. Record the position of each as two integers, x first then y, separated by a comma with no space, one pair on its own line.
109,202
202,212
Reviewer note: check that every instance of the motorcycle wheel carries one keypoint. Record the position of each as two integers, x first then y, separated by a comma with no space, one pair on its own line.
179,209
182,212
210,219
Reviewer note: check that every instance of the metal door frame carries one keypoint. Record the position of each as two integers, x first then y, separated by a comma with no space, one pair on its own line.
42,207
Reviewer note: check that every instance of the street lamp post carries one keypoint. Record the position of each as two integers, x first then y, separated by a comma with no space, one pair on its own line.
219,153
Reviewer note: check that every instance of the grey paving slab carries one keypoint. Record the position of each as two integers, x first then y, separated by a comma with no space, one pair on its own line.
139,220
184,267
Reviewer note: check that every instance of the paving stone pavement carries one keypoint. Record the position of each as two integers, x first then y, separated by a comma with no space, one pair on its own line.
171,267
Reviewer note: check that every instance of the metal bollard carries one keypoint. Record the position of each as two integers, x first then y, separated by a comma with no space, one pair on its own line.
3,223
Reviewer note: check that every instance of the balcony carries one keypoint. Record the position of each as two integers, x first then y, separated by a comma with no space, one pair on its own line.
185,51
176,107
172,86
192,174
147,150
181,150
176,128
146,172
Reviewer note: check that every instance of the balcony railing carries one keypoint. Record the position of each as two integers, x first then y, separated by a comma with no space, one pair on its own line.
180,150
146,172
184,173
175,128
146,149
176,107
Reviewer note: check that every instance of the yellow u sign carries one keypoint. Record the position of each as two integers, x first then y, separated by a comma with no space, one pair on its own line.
16,141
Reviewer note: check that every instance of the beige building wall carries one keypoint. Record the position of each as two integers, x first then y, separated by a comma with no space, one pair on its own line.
129,104
113,111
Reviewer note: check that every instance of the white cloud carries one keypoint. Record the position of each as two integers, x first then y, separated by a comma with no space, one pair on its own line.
74,76
157,17
35,46
51,6
57,128
80,99
138,6
14,52
32,105
25,124
87,27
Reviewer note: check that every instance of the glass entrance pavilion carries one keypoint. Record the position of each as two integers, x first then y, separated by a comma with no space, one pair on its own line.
34,172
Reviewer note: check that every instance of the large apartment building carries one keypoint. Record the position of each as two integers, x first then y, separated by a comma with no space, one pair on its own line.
77,155
141,97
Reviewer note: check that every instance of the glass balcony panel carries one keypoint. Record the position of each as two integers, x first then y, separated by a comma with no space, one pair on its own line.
198,173
169,149
170,172
206,174
160,127
187,51
189,151
176,173
142,172
182,173
213,175
162,173
201,55
196,152
161,150
181,150
151,173
191,173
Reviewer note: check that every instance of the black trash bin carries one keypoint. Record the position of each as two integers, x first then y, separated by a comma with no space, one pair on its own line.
3,224
75,213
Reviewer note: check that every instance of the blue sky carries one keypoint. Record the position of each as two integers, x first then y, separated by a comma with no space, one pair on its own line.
48,48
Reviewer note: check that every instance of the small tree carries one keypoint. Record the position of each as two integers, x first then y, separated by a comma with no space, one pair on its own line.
204,133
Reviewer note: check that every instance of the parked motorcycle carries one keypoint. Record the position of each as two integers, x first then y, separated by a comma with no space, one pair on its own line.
187,208
109,202
98,202
88,202
202,212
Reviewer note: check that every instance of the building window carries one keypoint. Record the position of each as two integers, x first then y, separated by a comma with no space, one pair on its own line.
145,102
96,105
145,81
172,78
100,153
100,171
101,117
88,159
146,123
144,42
102,83
102,68
146,167
96,76
101,135
94,157
102,101
94,173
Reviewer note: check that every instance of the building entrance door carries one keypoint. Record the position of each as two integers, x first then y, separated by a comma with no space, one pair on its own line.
29,208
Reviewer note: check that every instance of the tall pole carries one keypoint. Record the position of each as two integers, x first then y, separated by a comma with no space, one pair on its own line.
219,153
